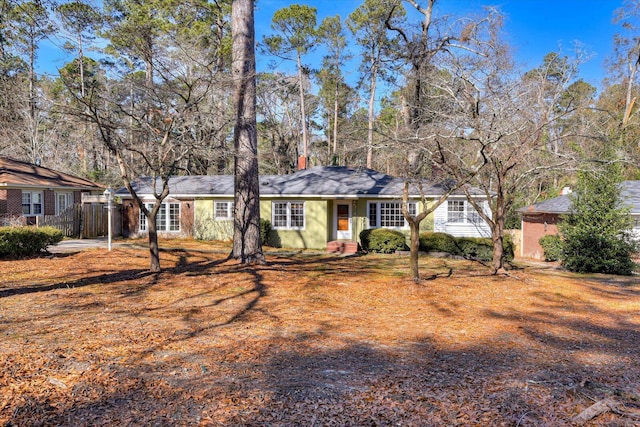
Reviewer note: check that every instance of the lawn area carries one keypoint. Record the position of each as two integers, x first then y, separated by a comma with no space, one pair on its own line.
92,338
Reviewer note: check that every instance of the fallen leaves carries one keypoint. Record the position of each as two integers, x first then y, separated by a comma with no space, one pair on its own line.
310,339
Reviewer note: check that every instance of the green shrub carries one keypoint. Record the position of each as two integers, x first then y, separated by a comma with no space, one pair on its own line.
16,242
383,240
438,242
480,248
552,247
265,231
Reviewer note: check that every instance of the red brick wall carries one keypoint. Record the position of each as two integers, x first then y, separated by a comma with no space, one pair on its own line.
49,202
3,202
14,202
533,228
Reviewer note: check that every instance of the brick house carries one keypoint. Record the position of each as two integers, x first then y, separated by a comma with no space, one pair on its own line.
28,191
542,218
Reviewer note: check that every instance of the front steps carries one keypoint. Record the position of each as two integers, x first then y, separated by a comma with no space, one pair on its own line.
342,247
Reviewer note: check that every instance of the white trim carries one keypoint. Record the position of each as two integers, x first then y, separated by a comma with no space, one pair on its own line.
342,235
378,221
288,204
31,203
68,202
229,204
166,207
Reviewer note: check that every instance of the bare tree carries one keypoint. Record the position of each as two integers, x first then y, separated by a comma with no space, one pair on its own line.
500,129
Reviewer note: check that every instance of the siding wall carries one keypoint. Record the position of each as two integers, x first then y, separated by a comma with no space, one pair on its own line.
314,235
442,225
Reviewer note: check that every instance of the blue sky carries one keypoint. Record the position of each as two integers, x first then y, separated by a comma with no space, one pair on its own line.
533,27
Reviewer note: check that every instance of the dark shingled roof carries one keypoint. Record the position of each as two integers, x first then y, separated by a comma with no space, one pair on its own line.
629,194
326,181
17,173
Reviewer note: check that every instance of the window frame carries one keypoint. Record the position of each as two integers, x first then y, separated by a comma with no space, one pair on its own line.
167,219
31,204
278,213
468,214
68,201
229,204
375,208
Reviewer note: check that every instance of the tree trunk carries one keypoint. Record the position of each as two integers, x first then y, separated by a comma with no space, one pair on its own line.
154,250
303,115
335,122
414,251
246,235
372,100
497,236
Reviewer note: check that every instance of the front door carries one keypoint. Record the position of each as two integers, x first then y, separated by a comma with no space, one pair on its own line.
343,221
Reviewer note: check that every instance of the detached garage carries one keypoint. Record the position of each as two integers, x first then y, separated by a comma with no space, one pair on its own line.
542,218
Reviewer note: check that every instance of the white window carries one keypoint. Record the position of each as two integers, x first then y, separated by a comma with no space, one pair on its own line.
455,211
287,215
223,210
461,211
63,201
389,214
31,203
168,218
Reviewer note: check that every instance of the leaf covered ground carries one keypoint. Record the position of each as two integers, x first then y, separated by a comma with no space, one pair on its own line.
92,338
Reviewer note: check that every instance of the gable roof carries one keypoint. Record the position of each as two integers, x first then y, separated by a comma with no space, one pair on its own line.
324,181
629,195
16,173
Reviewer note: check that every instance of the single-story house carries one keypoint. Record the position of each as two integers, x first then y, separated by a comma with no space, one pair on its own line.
542,218
307,209
28,191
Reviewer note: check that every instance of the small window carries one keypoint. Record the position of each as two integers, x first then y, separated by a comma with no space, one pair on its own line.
455,211
288,215
461,211
31,203
26,203
223,210
63,202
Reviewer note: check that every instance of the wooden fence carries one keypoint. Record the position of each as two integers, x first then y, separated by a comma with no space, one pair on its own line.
95,220
87,220
69,221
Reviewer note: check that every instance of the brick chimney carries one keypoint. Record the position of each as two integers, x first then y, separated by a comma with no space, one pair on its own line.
302,163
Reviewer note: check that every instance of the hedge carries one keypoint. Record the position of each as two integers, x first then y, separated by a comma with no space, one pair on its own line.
469,247
383,240
16,242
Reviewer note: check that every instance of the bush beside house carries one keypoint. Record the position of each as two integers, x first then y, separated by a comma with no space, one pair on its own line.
16,242
480,248
383,240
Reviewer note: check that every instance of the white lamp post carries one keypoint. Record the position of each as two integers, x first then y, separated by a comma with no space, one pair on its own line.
108,193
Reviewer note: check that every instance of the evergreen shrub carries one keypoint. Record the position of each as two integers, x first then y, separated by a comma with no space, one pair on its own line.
17,242
265,231
480,248
439,242
383,240
552,246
